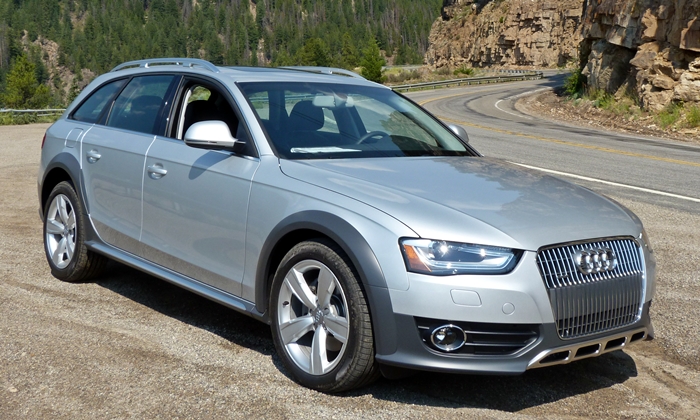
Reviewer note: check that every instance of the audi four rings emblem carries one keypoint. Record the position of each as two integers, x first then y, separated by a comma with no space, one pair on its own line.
595,260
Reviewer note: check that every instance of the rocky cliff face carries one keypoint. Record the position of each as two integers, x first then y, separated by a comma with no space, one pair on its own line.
648,47
482,33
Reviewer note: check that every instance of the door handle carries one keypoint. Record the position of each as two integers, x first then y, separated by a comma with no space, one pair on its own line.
93,156
156,171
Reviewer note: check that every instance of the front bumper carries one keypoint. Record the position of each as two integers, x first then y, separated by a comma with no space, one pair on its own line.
546,350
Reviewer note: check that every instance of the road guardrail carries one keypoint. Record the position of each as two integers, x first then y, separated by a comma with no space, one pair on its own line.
38,112
533,75
509,76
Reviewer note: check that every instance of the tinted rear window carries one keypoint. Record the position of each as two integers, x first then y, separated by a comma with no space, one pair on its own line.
90,110
138,106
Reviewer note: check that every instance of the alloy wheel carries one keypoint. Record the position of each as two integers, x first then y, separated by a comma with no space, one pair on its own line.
60,231
313,319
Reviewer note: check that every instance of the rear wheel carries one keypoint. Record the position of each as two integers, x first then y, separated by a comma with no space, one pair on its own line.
64,237
320,320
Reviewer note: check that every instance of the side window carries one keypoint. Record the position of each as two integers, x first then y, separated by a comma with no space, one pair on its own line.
206,103
138,106
90,110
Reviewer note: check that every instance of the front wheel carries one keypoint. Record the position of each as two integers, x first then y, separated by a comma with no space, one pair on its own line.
64,237
320,320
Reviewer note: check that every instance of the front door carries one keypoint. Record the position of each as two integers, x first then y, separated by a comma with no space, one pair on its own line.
195,202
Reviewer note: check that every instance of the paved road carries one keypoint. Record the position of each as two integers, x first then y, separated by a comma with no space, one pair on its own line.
131,346
497,129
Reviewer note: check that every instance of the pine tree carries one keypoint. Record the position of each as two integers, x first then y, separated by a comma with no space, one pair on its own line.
348,54
315,53
22,89
372,62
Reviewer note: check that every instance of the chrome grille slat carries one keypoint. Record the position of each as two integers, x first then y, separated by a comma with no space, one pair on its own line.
586,304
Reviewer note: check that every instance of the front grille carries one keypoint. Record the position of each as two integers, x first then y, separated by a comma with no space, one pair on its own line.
484,339
586,304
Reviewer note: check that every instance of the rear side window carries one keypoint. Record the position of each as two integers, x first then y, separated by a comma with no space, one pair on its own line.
138,106
90,110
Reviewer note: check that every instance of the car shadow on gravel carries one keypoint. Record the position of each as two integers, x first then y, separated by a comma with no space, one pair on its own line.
503,393
507,393
187,307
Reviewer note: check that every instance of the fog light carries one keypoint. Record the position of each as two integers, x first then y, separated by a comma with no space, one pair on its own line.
448,337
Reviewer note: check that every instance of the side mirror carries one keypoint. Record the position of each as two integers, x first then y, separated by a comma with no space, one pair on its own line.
459,131
212,135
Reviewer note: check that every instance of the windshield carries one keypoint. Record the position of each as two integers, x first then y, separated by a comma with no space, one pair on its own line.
321,120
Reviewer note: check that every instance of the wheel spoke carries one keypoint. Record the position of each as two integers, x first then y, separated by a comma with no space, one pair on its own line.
296,328
319,358
57,256
54,227
62,210
338,326
326,286
297,284
70,223
70,248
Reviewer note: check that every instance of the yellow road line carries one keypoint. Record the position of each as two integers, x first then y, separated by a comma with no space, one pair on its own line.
444,97
488,88
562,142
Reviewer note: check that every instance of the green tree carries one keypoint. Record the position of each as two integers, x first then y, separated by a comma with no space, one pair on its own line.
98,34
372,62
315,53
215,50
349,56
22,89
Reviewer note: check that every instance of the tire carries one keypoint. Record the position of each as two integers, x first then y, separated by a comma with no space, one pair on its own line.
64,237
324,339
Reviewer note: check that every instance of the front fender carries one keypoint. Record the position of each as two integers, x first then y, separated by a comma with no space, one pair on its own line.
360,254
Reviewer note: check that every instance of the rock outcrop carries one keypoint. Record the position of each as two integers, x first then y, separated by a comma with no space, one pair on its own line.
648,47
484,33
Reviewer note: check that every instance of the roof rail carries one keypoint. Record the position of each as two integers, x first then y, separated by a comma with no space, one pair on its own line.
184,62
324,70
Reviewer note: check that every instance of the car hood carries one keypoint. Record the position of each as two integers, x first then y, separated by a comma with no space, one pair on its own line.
476,200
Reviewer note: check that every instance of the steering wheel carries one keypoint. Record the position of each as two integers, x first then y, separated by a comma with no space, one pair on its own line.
371,135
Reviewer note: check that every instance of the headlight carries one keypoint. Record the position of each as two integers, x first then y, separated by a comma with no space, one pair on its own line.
442,258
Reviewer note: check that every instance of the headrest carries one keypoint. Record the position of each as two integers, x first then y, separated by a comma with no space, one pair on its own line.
305,117
142,103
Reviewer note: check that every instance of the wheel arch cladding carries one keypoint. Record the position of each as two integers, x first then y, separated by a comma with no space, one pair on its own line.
314,224
63,167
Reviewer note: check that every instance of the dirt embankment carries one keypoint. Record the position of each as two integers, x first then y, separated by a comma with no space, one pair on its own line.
554,105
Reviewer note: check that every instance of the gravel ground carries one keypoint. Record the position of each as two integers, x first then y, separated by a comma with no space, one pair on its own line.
131,346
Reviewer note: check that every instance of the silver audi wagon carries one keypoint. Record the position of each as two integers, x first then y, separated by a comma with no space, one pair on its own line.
370,236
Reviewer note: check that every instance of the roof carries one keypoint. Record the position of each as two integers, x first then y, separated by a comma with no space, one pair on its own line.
249,74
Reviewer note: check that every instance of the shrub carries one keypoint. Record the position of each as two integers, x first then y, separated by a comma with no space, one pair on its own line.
670,115
402,76
601,99
467,71
574,84
8,118
443,71
692,116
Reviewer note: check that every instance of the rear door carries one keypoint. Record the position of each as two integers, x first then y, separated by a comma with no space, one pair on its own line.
113,153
